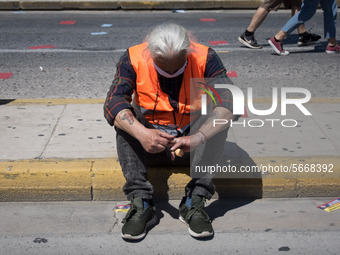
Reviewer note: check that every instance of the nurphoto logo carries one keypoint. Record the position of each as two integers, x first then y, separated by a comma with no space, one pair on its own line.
239,105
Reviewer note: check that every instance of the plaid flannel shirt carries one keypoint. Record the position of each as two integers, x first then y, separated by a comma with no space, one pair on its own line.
119,96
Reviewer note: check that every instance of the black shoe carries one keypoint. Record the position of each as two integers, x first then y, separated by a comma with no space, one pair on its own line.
195,216
250,42
308,38
138,220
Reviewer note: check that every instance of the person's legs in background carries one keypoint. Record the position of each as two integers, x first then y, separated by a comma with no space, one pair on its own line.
330,8
305,37
307,11
248,37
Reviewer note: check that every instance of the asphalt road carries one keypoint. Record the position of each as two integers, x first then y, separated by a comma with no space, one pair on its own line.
82,65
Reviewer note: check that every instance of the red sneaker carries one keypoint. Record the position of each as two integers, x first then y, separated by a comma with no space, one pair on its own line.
334,49
277,46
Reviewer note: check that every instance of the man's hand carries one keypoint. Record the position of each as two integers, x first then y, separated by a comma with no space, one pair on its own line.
185,143
152,140
155,141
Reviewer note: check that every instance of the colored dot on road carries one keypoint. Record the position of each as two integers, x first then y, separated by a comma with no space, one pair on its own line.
207,20
5,75
232,74
42,47
67,22
218,42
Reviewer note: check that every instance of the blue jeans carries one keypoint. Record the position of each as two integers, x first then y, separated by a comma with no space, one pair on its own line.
308,9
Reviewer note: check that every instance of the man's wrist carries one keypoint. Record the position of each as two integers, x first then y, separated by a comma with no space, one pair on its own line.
202,136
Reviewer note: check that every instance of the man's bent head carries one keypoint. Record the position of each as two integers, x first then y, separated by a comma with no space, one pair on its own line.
169,45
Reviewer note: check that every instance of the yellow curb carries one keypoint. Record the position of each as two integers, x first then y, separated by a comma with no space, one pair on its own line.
56,101
313,176
315,167
107,180
102,179
325,100
42,180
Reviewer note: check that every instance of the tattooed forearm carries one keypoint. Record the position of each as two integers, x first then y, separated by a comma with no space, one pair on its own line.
126,115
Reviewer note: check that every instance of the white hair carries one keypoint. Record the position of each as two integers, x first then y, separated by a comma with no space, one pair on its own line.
168,40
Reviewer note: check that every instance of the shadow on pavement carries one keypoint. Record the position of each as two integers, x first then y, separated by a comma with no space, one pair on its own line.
6,101
229,187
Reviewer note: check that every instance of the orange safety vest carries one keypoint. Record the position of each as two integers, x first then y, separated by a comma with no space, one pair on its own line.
154,103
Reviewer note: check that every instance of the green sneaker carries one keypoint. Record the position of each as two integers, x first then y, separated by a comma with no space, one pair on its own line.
195,216
138,220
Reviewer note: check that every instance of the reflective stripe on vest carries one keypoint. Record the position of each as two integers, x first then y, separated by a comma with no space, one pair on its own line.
153,101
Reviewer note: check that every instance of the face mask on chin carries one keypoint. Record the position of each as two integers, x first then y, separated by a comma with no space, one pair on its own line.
166,75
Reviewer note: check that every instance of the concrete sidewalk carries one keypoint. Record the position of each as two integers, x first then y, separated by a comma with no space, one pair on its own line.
63,149
264,226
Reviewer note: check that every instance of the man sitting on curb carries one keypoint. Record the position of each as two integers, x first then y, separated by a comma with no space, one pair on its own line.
159,73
